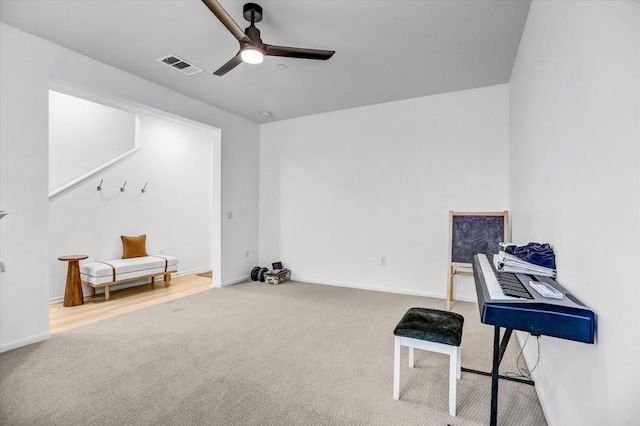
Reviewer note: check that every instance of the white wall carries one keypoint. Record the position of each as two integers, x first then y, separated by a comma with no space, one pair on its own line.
175,162
575,182
84,135
27,65
340,190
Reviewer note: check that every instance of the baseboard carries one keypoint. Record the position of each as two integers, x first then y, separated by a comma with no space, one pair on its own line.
24,342
463,299
58,299
383,289
191,272
322,282
234,281
371,288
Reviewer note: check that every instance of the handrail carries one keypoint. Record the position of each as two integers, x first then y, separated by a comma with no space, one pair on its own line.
92,172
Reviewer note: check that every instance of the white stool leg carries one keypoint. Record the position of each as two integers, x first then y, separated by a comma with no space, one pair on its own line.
412,357
396,369
453,374
459,356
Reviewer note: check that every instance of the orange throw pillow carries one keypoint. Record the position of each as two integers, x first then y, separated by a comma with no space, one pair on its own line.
134,246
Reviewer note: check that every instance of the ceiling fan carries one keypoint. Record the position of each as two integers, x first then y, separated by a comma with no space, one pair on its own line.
252,49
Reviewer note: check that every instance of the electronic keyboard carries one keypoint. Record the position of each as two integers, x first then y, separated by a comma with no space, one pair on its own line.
566,317
509,300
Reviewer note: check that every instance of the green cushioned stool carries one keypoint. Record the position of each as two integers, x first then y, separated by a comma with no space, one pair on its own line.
430,330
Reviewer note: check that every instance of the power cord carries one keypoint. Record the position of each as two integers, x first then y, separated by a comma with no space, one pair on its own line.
523,371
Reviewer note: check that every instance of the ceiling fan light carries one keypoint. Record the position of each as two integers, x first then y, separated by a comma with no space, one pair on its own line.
251,55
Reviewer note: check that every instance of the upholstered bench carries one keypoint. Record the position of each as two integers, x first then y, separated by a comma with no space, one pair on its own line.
431,330
118,271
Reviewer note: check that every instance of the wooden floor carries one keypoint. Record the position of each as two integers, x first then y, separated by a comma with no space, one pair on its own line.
123,301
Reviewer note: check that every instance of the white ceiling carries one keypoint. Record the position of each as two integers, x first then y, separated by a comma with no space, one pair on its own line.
385,50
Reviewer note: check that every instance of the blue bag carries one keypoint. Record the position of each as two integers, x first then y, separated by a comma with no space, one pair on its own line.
536,253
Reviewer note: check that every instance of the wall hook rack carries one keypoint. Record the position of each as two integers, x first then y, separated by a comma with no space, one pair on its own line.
143,190
99,187
123,185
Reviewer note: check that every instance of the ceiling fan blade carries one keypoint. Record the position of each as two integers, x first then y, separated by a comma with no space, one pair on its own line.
226,20
234,62
298,52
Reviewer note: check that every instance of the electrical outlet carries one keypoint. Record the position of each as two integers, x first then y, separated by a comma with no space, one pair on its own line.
383,261
229,215
246,254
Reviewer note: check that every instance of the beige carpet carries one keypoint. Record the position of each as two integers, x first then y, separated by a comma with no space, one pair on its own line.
256,354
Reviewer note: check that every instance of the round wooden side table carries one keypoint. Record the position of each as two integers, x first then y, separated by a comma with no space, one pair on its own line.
73,291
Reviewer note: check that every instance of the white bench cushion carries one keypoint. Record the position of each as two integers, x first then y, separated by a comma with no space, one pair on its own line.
100,273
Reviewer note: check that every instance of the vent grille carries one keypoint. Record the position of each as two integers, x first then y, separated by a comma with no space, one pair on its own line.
179,64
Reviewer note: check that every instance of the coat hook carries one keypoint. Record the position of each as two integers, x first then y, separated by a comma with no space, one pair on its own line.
145,188
100,186
125,184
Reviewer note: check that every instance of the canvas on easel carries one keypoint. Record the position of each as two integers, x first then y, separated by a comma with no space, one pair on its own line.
471,233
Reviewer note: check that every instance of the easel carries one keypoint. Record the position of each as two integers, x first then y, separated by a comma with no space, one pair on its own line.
474,232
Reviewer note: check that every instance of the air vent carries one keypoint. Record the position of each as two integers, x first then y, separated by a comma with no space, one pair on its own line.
179,64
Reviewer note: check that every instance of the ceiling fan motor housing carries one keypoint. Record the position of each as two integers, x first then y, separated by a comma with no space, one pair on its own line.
254,34
252,12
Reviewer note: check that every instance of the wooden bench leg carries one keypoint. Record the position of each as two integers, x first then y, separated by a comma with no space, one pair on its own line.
106,293
153,281
167,279
93,292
